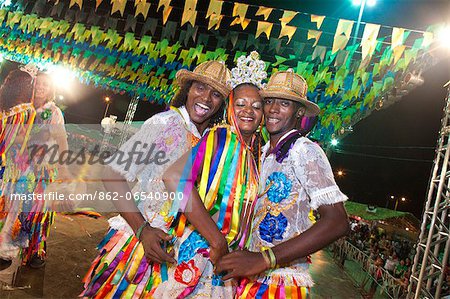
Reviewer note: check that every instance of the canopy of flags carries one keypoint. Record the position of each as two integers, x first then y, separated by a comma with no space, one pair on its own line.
137,46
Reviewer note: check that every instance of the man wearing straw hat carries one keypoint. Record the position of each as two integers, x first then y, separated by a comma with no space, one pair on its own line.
140,228
296,178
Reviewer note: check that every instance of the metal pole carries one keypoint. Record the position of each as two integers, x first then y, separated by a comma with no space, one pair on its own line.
106,110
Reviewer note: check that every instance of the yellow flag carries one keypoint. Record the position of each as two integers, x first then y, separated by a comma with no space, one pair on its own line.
142,7
78,2
288,31
427,39
398,52
339,43
214,20
118,5
342,35
369,40
264,11
314,34
189,12
240,10
97,3
243,21
166,12
344,27
318,20
265,27
397,37
164,3
288,16
215,7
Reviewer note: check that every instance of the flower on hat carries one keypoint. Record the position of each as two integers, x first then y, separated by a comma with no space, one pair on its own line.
249,69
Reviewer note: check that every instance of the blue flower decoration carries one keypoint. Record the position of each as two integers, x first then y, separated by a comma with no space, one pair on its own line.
21,185
281,187
273,227
217,280
190,246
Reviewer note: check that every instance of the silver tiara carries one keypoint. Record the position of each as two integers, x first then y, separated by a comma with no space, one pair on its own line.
249,69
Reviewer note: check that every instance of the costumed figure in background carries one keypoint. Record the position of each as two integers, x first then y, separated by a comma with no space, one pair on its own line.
50,132
295,178
123,267
17,117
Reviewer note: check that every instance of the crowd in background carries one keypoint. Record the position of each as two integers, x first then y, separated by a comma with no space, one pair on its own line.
392,253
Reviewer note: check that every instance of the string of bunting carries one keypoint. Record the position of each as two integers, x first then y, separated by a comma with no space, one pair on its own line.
341,84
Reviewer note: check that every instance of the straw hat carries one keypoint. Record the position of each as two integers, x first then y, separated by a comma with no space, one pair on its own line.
291,86
213,73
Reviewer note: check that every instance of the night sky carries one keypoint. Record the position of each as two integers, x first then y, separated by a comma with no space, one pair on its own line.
407,130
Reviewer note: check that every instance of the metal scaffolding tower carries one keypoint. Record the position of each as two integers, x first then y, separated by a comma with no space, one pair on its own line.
128,119
432,249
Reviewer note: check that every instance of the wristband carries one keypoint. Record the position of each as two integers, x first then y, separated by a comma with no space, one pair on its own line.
272,257
140,229
266,258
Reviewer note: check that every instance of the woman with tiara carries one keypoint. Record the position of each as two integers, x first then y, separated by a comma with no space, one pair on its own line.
214,214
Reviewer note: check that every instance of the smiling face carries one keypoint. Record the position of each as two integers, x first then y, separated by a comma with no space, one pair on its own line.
202,103
44,90
281,116
247,107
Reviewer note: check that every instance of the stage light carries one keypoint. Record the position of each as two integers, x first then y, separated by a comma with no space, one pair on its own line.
443,36
62,77
4,3
334,142
371,2
357,2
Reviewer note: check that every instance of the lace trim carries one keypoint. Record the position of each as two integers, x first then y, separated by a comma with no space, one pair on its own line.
327,196
119,223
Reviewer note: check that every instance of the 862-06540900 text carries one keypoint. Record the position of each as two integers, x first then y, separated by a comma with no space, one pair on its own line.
98,195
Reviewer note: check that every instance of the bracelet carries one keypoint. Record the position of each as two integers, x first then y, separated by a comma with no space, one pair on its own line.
140,229
266,258
272,257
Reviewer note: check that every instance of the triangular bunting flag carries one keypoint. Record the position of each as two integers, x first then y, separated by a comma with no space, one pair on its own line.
189,12
215,7
288,31
264,11
318,20
314,34
288,16
264,27
214,20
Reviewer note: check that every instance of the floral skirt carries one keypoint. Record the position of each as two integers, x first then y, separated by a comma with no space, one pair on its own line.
122,271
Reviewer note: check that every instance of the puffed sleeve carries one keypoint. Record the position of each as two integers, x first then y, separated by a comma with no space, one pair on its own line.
138,143
163,133
314,172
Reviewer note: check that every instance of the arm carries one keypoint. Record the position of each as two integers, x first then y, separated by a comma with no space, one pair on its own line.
150,237
246,264
196,212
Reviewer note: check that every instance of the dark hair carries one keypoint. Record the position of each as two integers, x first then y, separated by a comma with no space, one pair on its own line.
180,99
16,89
